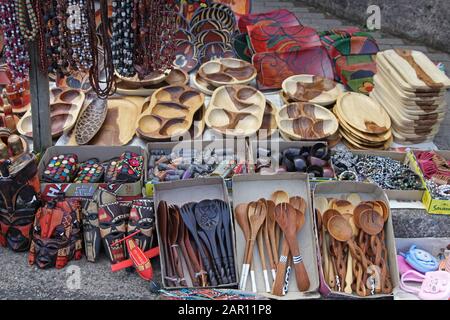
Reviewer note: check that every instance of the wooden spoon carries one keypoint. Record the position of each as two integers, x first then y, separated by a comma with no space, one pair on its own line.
260,241
321,203
256,216
343,206
291,221
278,197
354,198
271,244
240,215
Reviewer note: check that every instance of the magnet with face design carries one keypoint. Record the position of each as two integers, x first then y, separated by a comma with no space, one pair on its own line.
56,234
142,218
91,230
420,260
19,187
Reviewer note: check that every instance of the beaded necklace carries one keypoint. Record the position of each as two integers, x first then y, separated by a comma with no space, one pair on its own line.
25,8
17,57
123,37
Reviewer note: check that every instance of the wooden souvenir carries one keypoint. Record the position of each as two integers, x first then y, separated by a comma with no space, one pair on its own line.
275,67
312,89
186,56
202,85
304,121
236,110
214,51
170,112
91,120
65,106
269,120
227,72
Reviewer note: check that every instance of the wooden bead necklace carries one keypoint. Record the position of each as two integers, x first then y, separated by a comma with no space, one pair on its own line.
24,12
123,37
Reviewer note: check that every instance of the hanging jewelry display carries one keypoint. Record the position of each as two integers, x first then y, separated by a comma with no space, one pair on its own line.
25,12
123,37
17,57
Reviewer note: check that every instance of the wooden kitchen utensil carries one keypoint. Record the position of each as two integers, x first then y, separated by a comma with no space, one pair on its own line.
278,197
241,216
271,243
260,240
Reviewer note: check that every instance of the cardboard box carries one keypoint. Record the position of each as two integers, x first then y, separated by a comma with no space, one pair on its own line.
240,148
277,147
253,187
86,190
435,246
366,191
402,195
433,206
192,190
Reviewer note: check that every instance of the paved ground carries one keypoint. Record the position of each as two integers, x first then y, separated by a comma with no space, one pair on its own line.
20,281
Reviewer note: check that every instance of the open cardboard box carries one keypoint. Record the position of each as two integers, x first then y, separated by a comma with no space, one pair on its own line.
253,187
366,191
433,206
239,147
435,246
277,147
402,195
192,190
86,190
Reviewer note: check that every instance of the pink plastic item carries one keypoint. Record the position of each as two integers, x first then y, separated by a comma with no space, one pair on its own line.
435,284
403,266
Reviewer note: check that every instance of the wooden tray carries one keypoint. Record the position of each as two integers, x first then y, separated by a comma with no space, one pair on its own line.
418,71
312,89
136,83
363,113
65,106
228,71
236,110
269,120
203,86
175,77
305,121
170,112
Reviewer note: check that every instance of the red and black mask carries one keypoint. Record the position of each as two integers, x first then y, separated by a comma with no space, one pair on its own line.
142,218
91,230
56,235
19,188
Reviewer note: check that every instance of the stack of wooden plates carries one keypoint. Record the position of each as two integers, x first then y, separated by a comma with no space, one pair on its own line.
363,122
412,90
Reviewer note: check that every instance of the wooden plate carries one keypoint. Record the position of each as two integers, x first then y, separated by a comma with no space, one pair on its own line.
363,113
313,89
204,87
227,71
135,82
236,110
170,112
305,121
269,120
418,71
175,77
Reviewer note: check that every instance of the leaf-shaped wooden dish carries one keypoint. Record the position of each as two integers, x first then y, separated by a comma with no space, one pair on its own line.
305,121
363,113
170,113
65,106
312,89
175,77
236,110
417,70
91,119
227,71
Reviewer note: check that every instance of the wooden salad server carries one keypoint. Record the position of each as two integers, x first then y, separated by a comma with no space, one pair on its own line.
272,246
256,216
291,221
321,203
260,241
278,197
240,215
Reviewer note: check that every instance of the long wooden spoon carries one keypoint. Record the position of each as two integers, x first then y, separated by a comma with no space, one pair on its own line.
269,236
240,215
278,197
291,221
260,241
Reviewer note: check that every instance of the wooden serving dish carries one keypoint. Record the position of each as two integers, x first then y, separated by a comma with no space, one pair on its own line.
136,83
415,68
236,110
363,113
312,89
175,77
269,120
202,85
305,121
170,113
227,71
65,106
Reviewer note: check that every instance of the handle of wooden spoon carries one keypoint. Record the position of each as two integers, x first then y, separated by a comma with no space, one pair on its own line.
288,274
331,278
360,285
277,288
245,268
349,275
269,250
325,257
301,275
262,257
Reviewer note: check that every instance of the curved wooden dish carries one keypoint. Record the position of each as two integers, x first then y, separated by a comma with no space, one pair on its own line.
175,77
136,83
65,107
170,113
204,87
227,71
269,120
312,89
236,110
415,68
305,121
363,113
91,120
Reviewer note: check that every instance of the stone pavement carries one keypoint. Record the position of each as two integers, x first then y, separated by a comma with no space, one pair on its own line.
20,281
